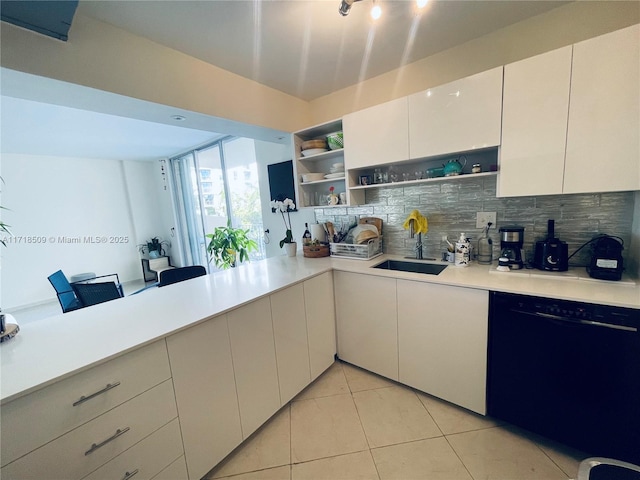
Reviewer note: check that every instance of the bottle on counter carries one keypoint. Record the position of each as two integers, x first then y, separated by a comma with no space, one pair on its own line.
462,253
306,236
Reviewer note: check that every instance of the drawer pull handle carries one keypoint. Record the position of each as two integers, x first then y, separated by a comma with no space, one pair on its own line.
128,475
83,399
96,446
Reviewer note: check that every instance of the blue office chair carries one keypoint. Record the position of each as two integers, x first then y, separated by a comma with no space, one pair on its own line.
66,296
175,275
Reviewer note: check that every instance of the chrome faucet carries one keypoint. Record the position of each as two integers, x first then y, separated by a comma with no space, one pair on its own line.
412,233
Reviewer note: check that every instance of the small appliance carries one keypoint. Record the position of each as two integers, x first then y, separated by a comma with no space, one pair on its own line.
551,254
511,240
606,258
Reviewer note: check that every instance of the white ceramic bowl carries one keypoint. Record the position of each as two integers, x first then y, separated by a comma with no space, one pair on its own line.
313,151
312,177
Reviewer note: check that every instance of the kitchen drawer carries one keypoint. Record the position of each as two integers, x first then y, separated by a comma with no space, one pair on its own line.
88,447
176,471
35,419
145,459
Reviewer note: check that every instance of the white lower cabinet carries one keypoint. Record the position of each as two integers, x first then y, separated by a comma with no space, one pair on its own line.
202,371
321,322
367,322
292,348
88,447
254,363
442,341
146,459
69,403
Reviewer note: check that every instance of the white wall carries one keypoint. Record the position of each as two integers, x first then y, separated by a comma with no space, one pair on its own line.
82,201
267,154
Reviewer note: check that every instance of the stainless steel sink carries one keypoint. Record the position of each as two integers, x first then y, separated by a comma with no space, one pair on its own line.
414,267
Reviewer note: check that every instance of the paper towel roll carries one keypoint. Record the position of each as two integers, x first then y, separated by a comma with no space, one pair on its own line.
318,233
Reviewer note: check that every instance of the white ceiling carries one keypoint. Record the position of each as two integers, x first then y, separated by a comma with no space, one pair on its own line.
301,47
304,47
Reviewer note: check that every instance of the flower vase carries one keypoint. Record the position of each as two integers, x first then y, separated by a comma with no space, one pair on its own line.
291,249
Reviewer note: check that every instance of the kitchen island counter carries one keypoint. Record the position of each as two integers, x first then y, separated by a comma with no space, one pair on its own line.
54,348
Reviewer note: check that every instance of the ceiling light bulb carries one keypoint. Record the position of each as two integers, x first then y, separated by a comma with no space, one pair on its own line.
421,3
376,11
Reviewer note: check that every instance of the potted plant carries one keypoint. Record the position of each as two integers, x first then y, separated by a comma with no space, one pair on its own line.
226,244
154,247
286,206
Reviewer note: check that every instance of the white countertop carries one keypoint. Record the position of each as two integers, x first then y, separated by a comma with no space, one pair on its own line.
54,348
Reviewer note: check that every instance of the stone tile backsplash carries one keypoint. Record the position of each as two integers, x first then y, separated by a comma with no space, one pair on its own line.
451,205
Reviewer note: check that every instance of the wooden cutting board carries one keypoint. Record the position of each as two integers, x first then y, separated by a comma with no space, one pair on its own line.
372,221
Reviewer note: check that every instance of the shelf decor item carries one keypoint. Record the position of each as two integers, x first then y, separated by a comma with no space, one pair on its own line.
286,206
227,244
154,247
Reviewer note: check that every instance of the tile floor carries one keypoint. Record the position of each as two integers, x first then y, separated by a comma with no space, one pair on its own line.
353,425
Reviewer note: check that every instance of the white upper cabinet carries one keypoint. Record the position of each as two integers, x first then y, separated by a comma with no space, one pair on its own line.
534,124
460,116
603,140
376,135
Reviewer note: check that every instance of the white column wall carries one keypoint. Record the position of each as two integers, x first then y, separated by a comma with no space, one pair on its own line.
268,153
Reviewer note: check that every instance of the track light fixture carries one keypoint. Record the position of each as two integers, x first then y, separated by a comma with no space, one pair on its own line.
345,7
376,10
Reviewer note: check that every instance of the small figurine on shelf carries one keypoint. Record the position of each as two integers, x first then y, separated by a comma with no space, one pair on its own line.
332,199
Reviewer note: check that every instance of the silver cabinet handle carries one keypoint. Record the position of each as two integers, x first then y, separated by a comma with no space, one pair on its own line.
83,399
128,475
96,446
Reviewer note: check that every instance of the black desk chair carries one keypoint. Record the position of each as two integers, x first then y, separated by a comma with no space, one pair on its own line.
175,275
66,296
95,293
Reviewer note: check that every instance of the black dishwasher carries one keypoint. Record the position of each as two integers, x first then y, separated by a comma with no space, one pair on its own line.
569,371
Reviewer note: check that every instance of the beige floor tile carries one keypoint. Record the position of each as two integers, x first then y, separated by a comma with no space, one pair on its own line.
325,427
278,473
354,466
359,379
567,458
393,415
432,459
331,382
268,447
498,454
453,419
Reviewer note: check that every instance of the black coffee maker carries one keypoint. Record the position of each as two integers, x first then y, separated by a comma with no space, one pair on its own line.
511,241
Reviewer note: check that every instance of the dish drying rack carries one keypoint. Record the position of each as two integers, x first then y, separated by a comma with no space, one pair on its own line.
365,251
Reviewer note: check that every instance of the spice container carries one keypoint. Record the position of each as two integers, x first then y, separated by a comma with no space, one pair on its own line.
476,168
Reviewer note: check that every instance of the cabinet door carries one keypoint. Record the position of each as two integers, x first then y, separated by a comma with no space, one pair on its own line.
603,141
292,349
367,322
254,363
442,341
205,393
534,124
457,117
376,135
321,322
